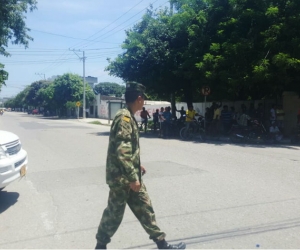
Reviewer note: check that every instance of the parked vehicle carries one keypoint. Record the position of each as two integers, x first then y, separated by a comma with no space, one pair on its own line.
13,158
254,133
35,112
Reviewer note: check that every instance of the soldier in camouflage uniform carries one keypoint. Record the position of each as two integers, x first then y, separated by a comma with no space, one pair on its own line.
124,175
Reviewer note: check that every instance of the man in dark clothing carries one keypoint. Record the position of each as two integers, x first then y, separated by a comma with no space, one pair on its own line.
167,122
155,119
144,116
182,113
226,118
260,114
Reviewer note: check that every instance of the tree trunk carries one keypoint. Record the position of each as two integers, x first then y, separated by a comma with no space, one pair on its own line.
173,107
188,94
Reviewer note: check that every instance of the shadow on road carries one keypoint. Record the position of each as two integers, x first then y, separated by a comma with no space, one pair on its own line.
233,233
7,199
100,133
225,141
252,145
47,117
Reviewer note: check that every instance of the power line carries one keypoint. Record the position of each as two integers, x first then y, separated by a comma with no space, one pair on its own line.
41,74
90,56
62,55
125,26
77,45
94,41
123,22
39,50
63,60
59,61
55,34
42,49
56,62
65,56
56,54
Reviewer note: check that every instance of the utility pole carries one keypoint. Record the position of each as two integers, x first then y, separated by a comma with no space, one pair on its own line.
41,74
83,60
83,103
173,103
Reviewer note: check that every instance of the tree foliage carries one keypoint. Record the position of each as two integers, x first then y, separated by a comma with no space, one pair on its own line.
110,88
3,75
242,49
59,95
69,88
13,27
32,97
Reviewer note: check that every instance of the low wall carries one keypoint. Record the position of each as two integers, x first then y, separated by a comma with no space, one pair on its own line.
291,105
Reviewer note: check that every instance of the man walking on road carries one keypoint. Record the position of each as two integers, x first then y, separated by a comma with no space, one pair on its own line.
124,175
144,116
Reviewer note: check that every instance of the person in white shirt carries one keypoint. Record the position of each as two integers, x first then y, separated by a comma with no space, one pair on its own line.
161,120
273,114
275,132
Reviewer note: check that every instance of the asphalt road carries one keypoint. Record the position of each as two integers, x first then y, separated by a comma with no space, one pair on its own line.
210,195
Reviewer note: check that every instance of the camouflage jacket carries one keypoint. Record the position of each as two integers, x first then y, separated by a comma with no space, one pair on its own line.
123,156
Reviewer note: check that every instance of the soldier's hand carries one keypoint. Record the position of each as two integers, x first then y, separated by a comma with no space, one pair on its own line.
143,170
135,186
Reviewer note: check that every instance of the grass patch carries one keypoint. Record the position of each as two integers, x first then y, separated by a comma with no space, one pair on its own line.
96,122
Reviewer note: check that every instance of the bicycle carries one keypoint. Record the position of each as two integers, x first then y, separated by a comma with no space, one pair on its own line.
141,126
196,131
175,126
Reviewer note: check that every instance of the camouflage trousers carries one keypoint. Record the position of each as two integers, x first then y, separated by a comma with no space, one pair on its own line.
140,205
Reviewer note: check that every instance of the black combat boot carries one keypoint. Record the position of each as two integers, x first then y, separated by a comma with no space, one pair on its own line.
100,246
162,244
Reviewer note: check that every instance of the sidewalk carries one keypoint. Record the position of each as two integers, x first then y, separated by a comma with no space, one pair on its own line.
96,120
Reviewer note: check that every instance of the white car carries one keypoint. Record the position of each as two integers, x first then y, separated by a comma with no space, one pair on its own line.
13,158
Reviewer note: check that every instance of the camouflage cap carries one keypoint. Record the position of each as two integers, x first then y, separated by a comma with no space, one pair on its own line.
135,86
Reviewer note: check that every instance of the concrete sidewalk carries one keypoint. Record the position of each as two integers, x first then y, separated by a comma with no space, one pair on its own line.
96,120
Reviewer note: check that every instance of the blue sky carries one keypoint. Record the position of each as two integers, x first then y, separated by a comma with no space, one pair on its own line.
94,26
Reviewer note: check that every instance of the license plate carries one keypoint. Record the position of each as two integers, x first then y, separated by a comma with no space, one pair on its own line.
23,171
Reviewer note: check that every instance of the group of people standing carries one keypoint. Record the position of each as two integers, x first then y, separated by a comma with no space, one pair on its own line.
161,120
222,120
218,118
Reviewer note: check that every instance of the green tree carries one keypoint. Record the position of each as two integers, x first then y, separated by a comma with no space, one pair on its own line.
32,97
45,94
13,27
245,49
68,88
3,75
110,88
19,101
9,103
160,54
254,48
